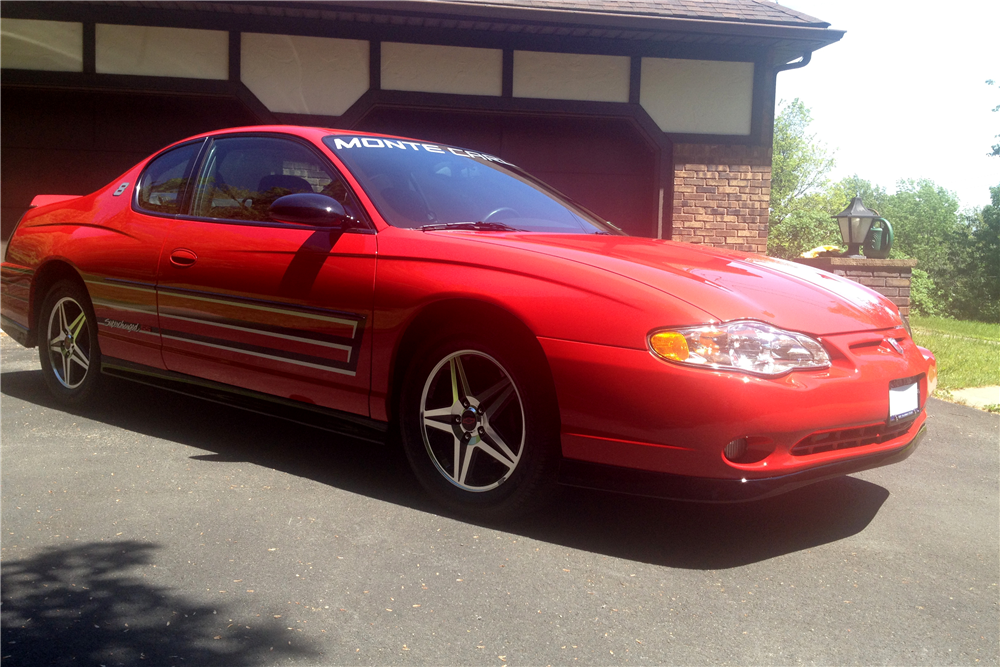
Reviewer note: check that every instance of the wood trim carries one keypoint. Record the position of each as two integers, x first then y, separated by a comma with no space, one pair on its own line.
634,79
725,139
89,47
768,91
375,65
665,178
507,89
762,74
235,56
264,115
357,111
749,48
534,19
124,83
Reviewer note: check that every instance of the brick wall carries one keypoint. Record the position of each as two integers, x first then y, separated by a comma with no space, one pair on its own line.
888,277
721,195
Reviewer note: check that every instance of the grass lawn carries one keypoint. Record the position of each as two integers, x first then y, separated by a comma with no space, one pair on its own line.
968,353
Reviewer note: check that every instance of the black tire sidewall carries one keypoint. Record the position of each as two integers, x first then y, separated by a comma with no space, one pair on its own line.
87,390
533,478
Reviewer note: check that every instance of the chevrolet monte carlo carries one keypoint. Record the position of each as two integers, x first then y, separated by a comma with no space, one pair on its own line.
387,287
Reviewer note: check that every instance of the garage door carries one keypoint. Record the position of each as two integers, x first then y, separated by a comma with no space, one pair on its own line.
603,163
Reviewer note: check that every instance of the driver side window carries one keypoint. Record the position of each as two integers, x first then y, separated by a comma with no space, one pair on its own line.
243,176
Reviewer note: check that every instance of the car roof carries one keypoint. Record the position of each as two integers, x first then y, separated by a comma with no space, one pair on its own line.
305,131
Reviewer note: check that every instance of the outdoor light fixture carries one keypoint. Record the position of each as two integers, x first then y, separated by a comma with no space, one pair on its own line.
855,221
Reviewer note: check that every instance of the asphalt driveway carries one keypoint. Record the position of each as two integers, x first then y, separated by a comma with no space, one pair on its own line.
156,529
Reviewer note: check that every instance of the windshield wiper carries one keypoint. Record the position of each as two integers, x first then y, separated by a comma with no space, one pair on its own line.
475,226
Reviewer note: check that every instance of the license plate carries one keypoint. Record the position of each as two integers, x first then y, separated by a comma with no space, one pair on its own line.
904,400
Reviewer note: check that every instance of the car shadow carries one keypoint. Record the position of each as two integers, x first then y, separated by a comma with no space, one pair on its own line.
89,604
670,533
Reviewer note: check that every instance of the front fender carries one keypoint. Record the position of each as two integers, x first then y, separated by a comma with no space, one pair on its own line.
553,297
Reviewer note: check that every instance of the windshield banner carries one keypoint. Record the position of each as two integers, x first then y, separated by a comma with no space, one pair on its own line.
375,142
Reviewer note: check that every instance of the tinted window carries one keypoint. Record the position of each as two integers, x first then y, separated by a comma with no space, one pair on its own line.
162,185
415,184
242,176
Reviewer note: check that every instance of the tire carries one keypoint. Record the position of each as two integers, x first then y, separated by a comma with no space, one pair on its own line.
68,346
479,425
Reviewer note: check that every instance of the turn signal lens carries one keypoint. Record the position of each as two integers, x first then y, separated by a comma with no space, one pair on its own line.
669,345
932,378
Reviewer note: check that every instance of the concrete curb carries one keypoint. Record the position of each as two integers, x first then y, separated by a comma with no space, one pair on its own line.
977,397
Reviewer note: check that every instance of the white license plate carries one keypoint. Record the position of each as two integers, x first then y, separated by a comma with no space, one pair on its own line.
904,401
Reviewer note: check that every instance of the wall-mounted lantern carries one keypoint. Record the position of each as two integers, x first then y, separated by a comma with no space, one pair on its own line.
855,221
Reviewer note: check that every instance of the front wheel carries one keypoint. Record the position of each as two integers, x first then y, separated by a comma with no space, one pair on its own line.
479,430
70,356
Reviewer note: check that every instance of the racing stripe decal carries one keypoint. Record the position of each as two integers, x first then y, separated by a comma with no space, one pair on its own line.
15,293
273,354
317,338
305,336
308,337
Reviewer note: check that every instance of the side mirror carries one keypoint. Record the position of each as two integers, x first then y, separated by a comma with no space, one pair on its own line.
309,208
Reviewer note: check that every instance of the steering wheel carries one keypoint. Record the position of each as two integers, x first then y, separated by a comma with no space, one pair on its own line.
497,211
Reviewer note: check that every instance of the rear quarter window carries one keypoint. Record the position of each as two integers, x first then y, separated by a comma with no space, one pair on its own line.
164,182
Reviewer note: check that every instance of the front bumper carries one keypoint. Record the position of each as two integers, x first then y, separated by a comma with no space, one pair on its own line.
623,408
702,489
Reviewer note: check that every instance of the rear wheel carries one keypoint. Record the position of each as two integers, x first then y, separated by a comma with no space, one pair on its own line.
478,429
70,356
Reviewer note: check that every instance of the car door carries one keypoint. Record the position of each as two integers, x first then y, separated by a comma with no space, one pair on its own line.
121,277
272,307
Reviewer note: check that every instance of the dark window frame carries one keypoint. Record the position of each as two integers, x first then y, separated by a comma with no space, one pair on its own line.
365,224
184,195
368,228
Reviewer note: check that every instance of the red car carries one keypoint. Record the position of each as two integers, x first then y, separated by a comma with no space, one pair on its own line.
512,339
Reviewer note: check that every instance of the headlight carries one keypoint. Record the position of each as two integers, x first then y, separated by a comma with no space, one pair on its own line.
742,345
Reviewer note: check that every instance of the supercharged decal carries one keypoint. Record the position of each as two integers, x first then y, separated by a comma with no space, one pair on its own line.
400,144
115,299
124,326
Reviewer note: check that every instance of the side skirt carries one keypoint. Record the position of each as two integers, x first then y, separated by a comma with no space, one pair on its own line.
334,421
21,334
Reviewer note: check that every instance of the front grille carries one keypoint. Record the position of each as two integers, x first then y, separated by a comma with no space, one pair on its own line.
847,438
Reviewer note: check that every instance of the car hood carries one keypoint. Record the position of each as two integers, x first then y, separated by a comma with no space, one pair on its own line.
728,285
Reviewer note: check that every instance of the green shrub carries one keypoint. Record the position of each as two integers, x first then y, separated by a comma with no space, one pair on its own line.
924,296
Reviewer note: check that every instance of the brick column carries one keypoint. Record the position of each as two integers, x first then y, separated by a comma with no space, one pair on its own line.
888,277
721,195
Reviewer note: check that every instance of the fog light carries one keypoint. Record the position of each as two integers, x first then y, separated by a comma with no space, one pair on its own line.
736,449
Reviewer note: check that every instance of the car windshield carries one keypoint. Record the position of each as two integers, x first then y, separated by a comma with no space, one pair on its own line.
433,186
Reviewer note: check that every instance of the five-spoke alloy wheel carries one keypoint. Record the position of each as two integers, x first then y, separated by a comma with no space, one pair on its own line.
69,352
472,421
478,432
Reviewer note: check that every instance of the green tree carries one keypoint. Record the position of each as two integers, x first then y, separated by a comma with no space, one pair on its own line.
927,225
977,293
873,196
799,208
996,147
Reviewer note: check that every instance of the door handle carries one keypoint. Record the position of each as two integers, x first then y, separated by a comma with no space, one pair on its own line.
183,257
